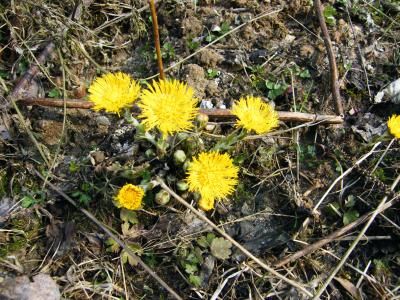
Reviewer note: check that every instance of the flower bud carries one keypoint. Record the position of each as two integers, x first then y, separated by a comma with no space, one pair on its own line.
149,153
162,197
201,120
182,185
179,157
186,165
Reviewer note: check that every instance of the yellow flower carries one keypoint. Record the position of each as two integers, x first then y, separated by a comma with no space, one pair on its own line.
130,197
113,92
213,175
254,114
168,105
394,125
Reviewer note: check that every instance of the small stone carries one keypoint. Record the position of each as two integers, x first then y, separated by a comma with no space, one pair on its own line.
210,127
102,121
98,156
21,288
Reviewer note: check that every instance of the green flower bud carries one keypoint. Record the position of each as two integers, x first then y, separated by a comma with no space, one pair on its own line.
179,157
162,197
186,165
149,153
201,120
182,186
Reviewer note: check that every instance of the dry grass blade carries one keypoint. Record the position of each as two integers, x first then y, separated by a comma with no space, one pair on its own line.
235,243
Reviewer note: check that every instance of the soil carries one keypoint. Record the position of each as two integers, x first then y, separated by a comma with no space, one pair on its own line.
280,58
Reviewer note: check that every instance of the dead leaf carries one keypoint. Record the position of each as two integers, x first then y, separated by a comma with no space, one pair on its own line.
349,287
221,248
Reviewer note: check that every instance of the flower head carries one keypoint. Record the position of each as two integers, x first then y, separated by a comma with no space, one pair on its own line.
113,92
254,114
168,105
213,175
130,197
394,125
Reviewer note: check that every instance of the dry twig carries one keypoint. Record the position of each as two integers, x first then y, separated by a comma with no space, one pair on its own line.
332,60
157,39
212,113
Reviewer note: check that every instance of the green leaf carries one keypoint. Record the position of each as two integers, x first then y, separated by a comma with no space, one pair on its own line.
269,85
195,280
55,93
129,216
85,199
305,74
350,216
28,201
210,237
112,245
190,269
350,201
125,257
202,242
192,258
221,248
329,14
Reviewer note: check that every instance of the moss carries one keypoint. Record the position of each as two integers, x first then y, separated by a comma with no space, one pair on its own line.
18,243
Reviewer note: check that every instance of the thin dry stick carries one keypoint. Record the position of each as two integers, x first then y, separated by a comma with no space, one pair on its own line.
333,236
332,60
357,163
229,238
355,242
212,113
157,38
217,40
111,235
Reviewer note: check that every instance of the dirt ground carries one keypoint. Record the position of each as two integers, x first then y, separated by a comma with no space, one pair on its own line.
280,57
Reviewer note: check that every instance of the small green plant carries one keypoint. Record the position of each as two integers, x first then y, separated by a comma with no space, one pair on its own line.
84,194
329,14
211,73
167,52
55,93
192,43
275,89
34,198
350,214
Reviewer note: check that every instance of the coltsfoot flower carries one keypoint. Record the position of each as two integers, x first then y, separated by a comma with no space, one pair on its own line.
254,114
213,175
113,92
130,197
394,125
168,105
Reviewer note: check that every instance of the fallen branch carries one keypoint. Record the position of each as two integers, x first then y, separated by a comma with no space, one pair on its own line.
111,235
212,113
331,57
229,238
